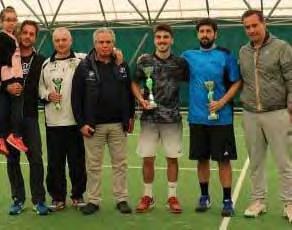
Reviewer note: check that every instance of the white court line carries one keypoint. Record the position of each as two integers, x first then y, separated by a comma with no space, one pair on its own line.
226,220
184,135
138,167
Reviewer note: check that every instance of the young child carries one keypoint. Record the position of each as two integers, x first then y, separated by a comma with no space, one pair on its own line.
11,73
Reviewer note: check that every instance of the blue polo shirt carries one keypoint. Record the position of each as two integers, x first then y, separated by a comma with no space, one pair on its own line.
215,64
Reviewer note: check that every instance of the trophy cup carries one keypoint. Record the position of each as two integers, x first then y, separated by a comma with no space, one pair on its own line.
210,87
58,86
149,83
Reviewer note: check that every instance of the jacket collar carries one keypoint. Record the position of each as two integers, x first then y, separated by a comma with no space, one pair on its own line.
214,46
267,39
92,56
53,57
169,57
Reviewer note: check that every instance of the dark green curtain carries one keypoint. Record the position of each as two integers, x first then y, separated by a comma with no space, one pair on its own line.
128,39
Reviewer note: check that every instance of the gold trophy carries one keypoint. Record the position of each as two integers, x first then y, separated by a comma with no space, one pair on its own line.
149,83
210,85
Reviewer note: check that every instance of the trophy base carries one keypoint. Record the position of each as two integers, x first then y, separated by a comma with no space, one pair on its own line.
213,117
152,105
58,106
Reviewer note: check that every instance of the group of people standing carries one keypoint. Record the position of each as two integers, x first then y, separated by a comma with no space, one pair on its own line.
90,102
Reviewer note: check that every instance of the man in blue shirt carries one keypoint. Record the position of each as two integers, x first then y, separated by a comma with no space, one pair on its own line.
211,112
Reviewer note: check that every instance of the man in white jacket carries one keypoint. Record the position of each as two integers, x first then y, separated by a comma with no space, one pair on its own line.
64,139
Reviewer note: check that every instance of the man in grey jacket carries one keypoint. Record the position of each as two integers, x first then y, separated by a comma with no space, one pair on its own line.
266,69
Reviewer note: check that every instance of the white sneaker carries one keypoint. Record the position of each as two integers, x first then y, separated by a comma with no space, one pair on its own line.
287,212
256,208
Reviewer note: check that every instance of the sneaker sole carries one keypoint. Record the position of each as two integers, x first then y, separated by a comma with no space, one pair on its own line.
78,206
255,215
40,213
146,210
174,211
125,212
286,217
289,220
16,213
56,209
87,213
197,209
227,214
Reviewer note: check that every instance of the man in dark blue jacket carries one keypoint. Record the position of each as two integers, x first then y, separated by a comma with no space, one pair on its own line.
103,107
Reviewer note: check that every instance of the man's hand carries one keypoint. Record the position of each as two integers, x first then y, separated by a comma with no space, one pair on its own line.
216,105
289,108
290,117
131,125
118,55
55,97
14,89
145,104
87,131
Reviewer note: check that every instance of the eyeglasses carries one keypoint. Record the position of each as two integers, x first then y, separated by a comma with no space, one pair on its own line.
10,20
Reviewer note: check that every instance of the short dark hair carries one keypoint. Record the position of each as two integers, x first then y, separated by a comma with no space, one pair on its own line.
251,12
7,9
207,22
31,23
163,27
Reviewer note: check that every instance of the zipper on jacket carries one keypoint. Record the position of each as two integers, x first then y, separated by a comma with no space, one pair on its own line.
257,85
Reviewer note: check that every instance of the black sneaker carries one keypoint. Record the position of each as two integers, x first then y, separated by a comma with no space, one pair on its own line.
204,204
41,209
124,207
227,210
89,209
16,207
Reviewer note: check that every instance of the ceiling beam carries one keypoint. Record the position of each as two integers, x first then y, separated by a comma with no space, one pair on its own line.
138,11
273,9
160,10
2,4
247,4
207,7
33,12
102,11
43,13
148,12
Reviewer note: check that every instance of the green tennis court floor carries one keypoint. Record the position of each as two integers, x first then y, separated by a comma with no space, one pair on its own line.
159,218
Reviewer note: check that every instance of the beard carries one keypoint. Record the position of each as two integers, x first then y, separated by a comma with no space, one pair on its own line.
25,44
206,43
163,48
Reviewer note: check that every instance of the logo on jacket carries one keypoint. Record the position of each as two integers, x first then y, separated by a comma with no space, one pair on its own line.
123,72
72,64
91,74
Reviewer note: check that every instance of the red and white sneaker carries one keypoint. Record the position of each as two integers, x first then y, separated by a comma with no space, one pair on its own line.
173,205
146,204
16,142
3,147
